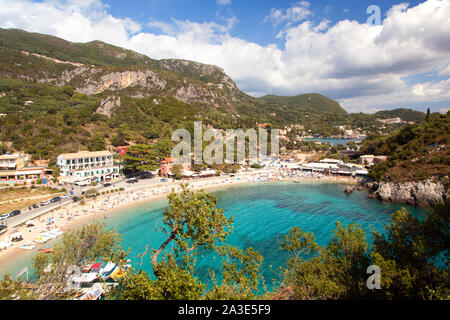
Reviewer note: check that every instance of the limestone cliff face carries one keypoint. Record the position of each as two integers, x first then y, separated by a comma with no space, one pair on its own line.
96,68
116,81
215,74
107,106
220,91
422,193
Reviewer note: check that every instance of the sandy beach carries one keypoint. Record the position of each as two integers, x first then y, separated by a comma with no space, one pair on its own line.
74,215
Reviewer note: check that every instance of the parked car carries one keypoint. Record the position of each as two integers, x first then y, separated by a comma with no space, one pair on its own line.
44,203
132,181
55,199
35,206
14,213
164,180
2,227
75,199
146,175
106,185
5,215
65,196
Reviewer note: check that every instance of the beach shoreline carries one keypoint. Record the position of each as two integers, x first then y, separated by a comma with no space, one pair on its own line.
76,215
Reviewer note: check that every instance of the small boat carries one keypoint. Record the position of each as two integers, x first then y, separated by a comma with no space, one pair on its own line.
47,250
42,238
27,246
85,280
105,272
120,272
95,267
55,233
91,295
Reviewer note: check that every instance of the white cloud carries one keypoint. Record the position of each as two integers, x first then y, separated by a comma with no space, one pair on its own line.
298,12
78,21
362,66
425,93
445,71
224,2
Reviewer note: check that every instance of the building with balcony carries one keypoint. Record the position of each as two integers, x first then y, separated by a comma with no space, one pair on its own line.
86,165
13,167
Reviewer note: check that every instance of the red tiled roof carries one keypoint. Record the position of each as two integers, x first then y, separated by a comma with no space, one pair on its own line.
168,160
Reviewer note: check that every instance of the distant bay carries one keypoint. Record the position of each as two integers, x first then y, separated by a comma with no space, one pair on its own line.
333,142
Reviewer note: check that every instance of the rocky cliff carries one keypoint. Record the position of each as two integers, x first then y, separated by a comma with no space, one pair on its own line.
220,91
97,68
422,193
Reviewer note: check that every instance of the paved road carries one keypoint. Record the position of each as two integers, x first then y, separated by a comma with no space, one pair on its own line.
31,214
27,214
77,191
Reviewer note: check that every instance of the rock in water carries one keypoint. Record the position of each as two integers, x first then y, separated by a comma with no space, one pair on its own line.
421,193
349,189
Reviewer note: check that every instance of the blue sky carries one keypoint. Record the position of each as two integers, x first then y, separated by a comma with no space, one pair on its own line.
249,13
274,47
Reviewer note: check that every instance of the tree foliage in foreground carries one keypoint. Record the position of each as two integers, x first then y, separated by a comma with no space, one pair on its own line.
192,222
412,255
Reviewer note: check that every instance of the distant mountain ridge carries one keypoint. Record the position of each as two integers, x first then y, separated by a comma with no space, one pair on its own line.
311,102
403,113
96,67
57,96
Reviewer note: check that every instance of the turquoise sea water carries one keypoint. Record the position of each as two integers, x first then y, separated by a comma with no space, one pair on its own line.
263,213
334,142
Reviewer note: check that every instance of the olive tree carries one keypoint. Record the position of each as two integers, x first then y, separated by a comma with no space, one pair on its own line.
191,221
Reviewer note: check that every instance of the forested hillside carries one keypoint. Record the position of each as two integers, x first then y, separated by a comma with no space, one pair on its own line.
405,114
415,152
92,95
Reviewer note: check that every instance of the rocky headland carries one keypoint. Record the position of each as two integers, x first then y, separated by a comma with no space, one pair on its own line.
425,193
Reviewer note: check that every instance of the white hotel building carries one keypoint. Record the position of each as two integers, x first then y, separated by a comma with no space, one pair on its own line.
85,165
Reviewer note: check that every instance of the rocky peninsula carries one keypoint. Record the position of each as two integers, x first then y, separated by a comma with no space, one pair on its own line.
425,193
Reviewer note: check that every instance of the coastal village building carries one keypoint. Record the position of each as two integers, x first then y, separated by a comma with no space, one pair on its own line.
351,154
391,121
338,169
85,165
371,159
122,150
167,164
13,168
331,161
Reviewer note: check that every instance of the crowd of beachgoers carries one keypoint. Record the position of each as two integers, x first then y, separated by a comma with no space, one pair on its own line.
36,233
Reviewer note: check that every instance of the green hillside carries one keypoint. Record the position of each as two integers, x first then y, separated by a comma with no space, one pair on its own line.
95,52
415,152
312,102
403,113
69,84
